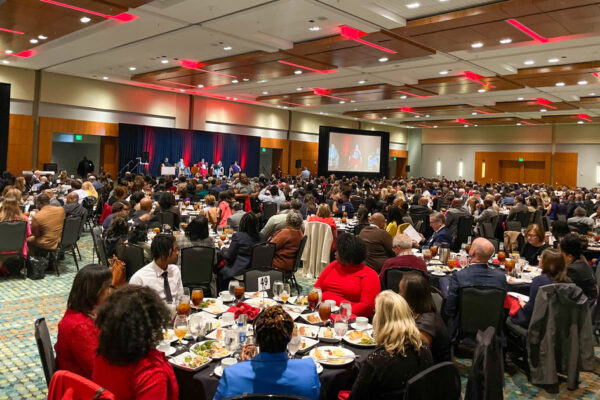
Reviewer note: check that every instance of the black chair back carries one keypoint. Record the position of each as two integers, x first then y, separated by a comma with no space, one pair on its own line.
167,217
481,307
537,218
298,260
524,217
513,226
392,277
197,267
464,228
12,236
546,224
486,230
269,209
579,228
133,257
418,225
356,202
70,232
44,345
590,208
251,278
439,382
262,255
99,244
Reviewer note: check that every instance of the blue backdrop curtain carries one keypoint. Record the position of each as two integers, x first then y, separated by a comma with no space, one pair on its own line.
174,144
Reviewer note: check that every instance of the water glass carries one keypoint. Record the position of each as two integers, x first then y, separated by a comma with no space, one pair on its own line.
277,289
340,329
232,285
345,311
231,340
294,343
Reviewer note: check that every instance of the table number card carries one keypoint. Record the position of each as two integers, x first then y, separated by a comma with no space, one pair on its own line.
264,283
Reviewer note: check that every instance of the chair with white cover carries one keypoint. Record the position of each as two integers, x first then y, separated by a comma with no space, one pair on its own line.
318,246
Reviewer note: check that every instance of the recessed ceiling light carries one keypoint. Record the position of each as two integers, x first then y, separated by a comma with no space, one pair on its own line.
8,51
543,110
592,94
34,41
427,116
105,77
476,125
580,122
473,113
384,118
298,72
481,90
245,79
278,106
417,116
362,82
164,61
314,28
402,97
383,59
529,62
444,72
227,48
42,37
553,60
182,90
505,41
477,45
85,20
263,81
321,112
5,62
352,101
413,5
435,126
285,107
200,85
582,82
342,102
520,98
466,126
560,84
298,89
234,81
132,68
519,124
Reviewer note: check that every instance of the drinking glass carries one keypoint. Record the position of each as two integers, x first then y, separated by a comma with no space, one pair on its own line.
345,311
172,306
464,261
314,297
433,250
325,312
231,340
183,306
197,297
277,289
501,256
340,329
232,285
427,255
285,294
180,328
294,343
239,291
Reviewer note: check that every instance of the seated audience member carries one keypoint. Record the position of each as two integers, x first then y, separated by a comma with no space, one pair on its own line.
11,212
488,214
478,273
580,218
347,279
277,222
138,235
271,194
131,323
234,220
415,289
116,235
400,353
73,208
324,216
119,194
534,245
405,258
46,226
76,185
239,253
143,214
162,274
271,371
343,205
377,241
167,203
196,234
441,234
211,211
287,242
362,216
517,208
53,200
453,214
89,189
394,220
119,208
77,339
419,208
553,271
559,230
578,270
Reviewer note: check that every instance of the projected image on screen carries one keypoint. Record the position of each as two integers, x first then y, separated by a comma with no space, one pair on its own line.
348,152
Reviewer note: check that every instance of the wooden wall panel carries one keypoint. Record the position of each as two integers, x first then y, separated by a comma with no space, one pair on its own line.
501,166
399,153
305,151
282,144
109,154
565,169
20,138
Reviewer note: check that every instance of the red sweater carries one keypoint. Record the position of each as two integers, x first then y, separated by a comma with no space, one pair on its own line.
76,343
357,284
148,379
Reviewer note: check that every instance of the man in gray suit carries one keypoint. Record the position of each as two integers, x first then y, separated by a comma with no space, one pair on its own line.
455,211
236,217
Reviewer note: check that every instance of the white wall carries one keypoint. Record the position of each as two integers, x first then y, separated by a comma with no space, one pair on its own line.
588,157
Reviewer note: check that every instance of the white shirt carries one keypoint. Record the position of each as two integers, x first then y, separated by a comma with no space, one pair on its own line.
82,194
151,276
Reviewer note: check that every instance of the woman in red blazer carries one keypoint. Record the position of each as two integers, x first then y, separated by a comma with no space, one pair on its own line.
77,335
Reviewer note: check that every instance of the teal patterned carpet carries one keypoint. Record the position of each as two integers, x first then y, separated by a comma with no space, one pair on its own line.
22,301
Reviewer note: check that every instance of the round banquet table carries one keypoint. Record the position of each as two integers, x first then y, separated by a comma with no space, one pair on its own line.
519,286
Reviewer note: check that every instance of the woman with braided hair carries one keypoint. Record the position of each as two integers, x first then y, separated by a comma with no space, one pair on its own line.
271,372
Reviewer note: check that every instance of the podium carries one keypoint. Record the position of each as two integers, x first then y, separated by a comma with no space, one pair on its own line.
167,171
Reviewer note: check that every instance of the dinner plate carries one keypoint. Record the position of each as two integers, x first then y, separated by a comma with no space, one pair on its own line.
255,295
216,309
332,356
306,344
309,331
222,354
319,366
438,273
206,301
181,363
312,318
218,371
304,300
328,339
169,352
355,327
258,302
357,342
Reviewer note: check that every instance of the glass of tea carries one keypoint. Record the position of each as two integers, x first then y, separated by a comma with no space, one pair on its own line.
433,250
239,291
501,257
197,297
468,248
509,265
343,220
325,312
180,328
285,294
427,255
345,214
597,238
451,263
314,296
183,306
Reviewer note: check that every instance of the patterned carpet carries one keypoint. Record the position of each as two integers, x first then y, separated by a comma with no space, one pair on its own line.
23,301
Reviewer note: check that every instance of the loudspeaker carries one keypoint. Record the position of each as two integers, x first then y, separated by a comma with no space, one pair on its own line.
51,167
145,157
408,168
298,163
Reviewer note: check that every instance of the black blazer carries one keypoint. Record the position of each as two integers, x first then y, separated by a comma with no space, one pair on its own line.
239,254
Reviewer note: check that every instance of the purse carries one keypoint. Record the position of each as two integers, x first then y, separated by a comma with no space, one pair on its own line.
36,268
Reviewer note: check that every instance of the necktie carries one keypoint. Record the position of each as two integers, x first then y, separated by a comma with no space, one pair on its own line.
167,287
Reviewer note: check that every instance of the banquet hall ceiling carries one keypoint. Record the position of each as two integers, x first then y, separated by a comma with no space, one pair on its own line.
424,63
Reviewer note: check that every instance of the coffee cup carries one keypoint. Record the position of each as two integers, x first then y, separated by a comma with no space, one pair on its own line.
228,318
163,346
225,296
226,362
362,323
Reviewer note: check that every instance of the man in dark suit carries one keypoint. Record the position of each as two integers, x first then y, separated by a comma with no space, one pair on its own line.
441,234
453,214
477,274
517,208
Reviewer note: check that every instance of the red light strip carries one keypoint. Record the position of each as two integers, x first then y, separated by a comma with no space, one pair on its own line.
585,117
484,112
527,31
463,121
544,102
195,65
123,17
325,93
410,110
296,104
471,76
415,95
596,74
318,71
22,54
527,123
11,31
181,84
354,34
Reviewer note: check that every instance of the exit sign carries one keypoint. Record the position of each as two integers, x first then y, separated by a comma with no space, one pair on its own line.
79,138
264,150
521,159
394,158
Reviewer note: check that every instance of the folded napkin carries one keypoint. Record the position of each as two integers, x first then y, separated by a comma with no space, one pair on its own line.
243,308
512,304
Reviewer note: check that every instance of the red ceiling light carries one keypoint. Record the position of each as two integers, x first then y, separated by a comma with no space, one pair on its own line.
463,121
22,54
123,17
584,117
544,102
351,33
410,110
484,112
195,65
325,93
527,31
527,123
596,74
318,71
415,95
473,77
11,31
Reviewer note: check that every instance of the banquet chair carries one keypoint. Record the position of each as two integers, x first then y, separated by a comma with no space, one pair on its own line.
133,257
70,235
168,218
197,267
12,238
392,277
537,218
291,276
67,385
464,229
252,276
513,226
546,223
579,227
268,210
495,242
88,204
439,382
44,345
261,396
524,217
262,255
99,245
486,230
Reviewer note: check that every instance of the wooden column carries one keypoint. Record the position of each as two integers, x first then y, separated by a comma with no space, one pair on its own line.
35,113
552,154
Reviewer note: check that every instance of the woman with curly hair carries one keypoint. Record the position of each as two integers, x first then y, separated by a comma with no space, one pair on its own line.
271,371
400,353
77,339
131,322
